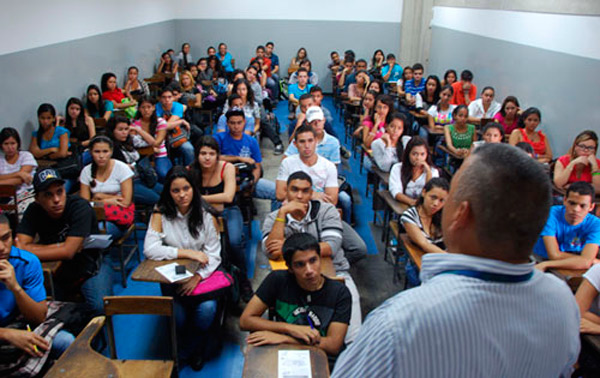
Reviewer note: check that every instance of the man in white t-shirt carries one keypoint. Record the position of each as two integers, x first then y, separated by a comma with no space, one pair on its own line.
322,171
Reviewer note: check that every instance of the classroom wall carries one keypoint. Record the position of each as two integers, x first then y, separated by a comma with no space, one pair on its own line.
56,49
549,61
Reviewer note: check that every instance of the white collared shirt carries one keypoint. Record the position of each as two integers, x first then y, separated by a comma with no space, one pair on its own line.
459,326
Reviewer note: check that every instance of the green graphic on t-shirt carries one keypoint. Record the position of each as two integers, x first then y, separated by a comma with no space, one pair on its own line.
295,314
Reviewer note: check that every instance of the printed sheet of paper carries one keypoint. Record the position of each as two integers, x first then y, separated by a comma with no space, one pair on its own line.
168,271
294,364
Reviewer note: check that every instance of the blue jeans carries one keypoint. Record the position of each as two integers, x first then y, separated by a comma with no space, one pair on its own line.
185,152
60,343
144,195
235,231
345,203
94,289
273,85
162,166
265,189
192,319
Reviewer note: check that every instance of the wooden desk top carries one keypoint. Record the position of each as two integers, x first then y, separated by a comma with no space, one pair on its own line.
327,267
146,270
51,266
262,361
414,252
383,176
397,206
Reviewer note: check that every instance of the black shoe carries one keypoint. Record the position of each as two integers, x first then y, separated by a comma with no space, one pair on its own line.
345,153
278,149
196,362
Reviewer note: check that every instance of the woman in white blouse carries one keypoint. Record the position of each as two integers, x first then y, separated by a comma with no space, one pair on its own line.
408,177
181,227
106,180
388,149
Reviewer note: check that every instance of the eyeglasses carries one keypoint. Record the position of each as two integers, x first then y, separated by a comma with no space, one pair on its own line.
586,148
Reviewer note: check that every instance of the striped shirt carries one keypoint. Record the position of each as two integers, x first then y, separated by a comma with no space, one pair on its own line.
459,326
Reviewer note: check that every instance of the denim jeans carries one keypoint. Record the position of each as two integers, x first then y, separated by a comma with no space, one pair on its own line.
185,152
345,203
192,320
265,189
273,85
94,289
144,195
60,343
235,231
162,166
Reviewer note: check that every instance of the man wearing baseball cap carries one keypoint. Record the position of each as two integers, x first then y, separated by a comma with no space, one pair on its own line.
62,222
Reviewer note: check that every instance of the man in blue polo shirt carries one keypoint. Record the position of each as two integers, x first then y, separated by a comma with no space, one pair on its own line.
238,147
23,298
571,236
273,80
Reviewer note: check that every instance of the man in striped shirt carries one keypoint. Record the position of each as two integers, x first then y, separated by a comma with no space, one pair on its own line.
482,310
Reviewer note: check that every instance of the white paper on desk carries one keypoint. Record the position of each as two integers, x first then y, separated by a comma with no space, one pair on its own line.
97,241
294,364
168,271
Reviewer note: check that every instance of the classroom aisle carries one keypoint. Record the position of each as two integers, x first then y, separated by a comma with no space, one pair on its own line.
143,336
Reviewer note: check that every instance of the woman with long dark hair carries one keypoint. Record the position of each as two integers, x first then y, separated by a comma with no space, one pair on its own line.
527,132
408,177
80,126
182,227
95,106
114,94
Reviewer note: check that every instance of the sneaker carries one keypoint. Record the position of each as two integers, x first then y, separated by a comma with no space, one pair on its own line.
291,116
278,149
345,153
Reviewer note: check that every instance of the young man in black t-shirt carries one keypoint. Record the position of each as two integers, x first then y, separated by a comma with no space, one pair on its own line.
309,308
62,223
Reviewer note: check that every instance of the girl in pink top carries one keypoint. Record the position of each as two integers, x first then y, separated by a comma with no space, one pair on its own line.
508,116
384,108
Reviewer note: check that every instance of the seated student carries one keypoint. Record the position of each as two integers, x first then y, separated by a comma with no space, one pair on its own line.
415,85
384,108
377,62
304,102
80,126
205,73
484,107
407,75
423,223
425,99
571,236
376,85
182,227
114,94
440,114
297,90
17,167
493,132
449,77
296,60
343,74
580,164
337,239
224,58
265,62
255,84
184,58
508,115
322,321
211,51
235,76
216,182
335,64
108,181
356,91
134,86
327,145
460,135
235,101
313,78
391,71
464,90
146,190
273,79
177,126
237,147
526,132
189,92
526,147
388,149
23,299
50,141
167,65
361,65
95,106
54,227
408,177
367,113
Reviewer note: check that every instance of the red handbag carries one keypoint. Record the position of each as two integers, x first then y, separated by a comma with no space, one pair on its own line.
122,216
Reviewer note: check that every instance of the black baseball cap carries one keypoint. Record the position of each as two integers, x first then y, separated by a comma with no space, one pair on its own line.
44,178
